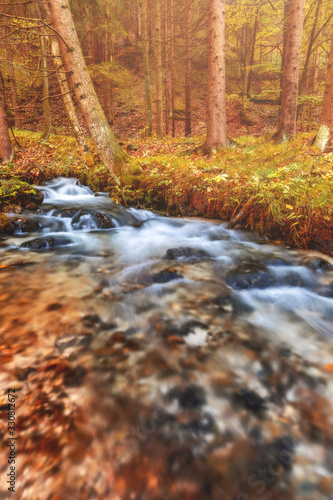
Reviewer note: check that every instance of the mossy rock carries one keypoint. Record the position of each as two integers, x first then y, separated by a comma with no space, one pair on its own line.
132,177
14,191
6,227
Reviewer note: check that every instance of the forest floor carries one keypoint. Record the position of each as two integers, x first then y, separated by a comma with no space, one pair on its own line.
284,192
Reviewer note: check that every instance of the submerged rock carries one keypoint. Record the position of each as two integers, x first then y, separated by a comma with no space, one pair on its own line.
165,276
185,253
47,243
251,401
87,219
190,398
75,341
253,280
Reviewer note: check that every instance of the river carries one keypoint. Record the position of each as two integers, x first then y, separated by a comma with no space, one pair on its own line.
159,359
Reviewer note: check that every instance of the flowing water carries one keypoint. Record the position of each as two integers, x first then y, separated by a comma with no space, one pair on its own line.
157,358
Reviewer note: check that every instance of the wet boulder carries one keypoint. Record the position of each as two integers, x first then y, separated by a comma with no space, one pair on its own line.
263,279
251,275
66,212
185,253
91,219
25,225
47,243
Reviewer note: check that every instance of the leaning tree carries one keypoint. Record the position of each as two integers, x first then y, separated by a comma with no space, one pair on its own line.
105,142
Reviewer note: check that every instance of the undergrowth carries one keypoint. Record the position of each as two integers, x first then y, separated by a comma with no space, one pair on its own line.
283,191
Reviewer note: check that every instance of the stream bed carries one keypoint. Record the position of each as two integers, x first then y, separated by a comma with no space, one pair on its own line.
162,359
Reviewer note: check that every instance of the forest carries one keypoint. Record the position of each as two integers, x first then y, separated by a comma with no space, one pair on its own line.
166,249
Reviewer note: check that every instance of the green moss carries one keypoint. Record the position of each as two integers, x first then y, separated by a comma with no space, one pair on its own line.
16,192
5,225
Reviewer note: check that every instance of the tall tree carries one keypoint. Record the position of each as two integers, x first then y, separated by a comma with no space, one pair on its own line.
12,79
313,36
45,77
188,73
105,142
6,148
216,112
68,103
324,138
159,65
253,48
146,66
170,79
291,64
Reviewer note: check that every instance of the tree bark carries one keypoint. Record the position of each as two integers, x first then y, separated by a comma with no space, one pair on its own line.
159,66
216,112
316,64
170,84
6,147
146,68
45,76
286,12
313,36
69,105
105,142
324,138
188,74
288,115
12,80
253,48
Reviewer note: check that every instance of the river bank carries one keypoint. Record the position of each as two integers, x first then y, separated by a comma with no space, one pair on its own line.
284,192
161,358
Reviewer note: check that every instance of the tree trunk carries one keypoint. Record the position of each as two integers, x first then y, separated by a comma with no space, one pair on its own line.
287,125
313,36
159,66
246,56
316,64
45,76
188,74
6,148
90,38
216,112
324,139
253,48
69,105
146,68
106,145
286,12
170,84
12,80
